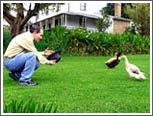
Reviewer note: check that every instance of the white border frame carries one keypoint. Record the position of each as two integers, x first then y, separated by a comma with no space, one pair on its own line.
2,113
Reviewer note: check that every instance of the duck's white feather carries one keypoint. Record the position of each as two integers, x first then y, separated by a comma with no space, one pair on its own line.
133,70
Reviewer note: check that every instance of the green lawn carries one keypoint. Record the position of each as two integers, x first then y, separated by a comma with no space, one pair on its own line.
85,85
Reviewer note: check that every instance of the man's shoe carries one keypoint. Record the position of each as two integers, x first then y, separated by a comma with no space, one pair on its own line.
13,76
29,83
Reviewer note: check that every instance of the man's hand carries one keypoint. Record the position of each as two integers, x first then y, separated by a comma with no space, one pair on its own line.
48,52
52,62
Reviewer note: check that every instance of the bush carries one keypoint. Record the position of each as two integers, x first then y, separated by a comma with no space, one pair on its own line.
83,42
56,38
6,39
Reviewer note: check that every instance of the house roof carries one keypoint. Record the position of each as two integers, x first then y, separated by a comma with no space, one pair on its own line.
83,14
95,16
121,18
72,13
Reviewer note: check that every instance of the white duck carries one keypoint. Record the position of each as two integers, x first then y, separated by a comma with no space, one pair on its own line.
132,69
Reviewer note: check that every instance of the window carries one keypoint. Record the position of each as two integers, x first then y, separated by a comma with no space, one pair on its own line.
83,6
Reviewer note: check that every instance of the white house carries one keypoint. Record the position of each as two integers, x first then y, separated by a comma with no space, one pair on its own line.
81,15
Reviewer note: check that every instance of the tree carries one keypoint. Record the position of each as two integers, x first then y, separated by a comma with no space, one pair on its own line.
104,22
17,22
109,9
140,14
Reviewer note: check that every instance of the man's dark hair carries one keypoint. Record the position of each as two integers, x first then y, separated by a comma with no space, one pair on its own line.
35,28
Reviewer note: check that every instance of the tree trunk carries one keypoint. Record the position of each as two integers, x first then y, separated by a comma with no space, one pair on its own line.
17,23
16,28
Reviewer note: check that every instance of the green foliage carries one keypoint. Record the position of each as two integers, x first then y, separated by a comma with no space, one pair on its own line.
6,39
131,29
28,106
104,22
86,43
140,14
83,42
56,38
109,9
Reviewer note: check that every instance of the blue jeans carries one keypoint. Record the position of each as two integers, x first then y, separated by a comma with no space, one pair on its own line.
23,65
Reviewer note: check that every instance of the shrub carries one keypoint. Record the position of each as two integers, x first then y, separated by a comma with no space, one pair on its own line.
6,39
83,42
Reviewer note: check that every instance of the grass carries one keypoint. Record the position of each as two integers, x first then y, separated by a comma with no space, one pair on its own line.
28,106
85,85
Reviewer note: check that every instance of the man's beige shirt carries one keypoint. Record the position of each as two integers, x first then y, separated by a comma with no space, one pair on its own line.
21,44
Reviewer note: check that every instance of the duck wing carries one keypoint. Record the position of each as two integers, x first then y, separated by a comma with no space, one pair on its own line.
135,72
134,69
111,63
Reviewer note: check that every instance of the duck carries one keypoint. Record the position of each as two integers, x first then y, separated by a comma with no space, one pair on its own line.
112,62
132,69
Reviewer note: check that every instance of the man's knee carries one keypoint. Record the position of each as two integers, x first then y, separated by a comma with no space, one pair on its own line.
31,55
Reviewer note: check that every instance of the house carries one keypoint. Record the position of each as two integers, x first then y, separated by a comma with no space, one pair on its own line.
80,15
119,23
